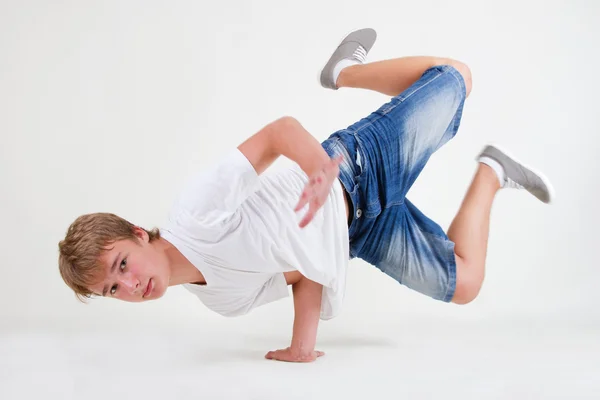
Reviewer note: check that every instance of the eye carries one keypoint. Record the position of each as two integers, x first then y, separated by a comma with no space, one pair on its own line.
113,289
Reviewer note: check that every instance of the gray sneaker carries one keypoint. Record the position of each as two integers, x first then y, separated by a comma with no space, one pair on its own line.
519,176
354,46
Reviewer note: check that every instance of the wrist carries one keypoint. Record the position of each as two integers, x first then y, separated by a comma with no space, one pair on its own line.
300,348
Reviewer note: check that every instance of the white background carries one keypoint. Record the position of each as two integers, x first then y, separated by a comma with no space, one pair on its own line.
110,105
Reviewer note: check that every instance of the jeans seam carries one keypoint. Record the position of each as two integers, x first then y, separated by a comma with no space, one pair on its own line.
387,111
453,277
419,88
451,71
459,79
363,169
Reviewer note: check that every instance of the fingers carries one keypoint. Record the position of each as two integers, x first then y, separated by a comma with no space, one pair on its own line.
338,160
311,195
307,218
275,355
317,189
279,355
315,205
309,192
304,198
285,355
335,162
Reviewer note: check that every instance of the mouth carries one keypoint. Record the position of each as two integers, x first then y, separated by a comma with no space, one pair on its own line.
149,288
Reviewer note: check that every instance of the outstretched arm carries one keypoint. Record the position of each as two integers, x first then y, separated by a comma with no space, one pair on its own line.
287,137
307,308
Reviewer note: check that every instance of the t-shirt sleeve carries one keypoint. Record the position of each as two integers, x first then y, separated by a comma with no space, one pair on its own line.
274,289
212,196
235,302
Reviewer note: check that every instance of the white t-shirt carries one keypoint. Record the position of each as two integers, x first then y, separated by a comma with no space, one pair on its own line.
241,232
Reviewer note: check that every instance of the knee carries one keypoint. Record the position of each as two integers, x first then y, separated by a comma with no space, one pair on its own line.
463,69
468,285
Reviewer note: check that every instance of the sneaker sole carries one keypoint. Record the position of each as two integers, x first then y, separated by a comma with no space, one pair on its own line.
544,178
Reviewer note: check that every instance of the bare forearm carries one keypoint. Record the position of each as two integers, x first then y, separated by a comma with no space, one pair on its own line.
290,139
307,309
287,137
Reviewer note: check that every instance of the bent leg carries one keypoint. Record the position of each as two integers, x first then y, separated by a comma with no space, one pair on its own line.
392,77
415,251
397,140
469,231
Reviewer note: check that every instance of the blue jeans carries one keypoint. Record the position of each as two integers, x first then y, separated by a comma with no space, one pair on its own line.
384,154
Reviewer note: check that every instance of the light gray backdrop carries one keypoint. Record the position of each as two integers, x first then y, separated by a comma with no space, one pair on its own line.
110,105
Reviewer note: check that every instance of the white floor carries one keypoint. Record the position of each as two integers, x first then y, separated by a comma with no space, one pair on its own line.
410,360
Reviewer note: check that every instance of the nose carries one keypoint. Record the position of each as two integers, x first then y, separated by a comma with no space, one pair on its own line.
131,283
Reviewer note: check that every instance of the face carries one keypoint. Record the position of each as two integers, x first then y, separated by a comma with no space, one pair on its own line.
134,272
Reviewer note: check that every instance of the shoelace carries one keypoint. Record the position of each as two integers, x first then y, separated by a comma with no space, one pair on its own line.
360,54
509,183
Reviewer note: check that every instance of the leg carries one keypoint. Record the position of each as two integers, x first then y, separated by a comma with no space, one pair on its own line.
346,67
394,144
414,250
392,77
469,231
470,227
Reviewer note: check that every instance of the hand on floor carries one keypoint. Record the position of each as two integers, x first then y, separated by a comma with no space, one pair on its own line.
292,355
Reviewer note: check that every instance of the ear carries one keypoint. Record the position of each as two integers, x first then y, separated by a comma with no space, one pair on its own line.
141,234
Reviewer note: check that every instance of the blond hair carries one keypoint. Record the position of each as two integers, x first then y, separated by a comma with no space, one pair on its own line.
86,240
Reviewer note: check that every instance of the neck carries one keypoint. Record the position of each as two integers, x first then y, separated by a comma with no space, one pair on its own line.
182,270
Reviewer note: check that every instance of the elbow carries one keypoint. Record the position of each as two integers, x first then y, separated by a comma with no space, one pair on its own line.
280,130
